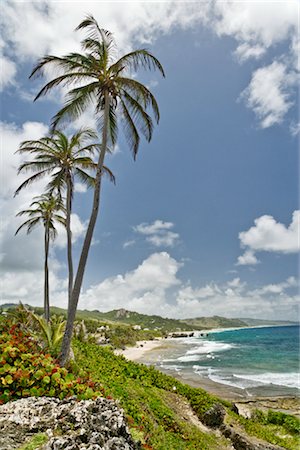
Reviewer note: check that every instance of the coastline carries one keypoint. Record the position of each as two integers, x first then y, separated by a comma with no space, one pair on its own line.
152,352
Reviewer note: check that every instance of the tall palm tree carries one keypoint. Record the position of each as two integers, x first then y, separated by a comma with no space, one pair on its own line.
66,159
98,79
45,210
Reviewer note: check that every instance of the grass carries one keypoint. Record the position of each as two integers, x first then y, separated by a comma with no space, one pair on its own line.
143,393
35,443
146,395
276,434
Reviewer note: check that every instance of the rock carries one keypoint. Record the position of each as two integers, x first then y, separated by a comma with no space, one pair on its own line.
241,442
71,425
214,417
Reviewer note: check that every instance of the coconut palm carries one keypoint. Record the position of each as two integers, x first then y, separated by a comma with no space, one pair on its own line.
46,210
66,159
96,78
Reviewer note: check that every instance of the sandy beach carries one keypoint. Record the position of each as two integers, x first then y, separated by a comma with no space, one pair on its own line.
140,349
149,352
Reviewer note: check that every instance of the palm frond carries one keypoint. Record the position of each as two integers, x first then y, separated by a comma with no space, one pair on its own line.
139,115
30,224
95,32
30,180
136,59
130,131
78,100
138,91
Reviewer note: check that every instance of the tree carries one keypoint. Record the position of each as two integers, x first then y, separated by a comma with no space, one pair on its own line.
66,159
45,210
97,79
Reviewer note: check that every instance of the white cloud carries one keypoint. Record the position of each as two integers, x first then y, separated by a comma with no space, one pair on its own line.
261,22
158,233
245,51
271,236
8,70
78,229
155,288
255,26
32,29
295,128
128,243
80,188
269,93
248,258
143,289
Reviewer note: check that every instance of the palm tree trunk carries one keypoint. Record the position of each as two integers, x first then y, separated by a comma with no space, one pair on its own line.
46,281
69,238
66,343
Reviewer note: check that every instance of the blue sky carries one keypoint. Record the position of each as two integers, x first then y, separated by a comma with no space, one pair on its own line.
206,220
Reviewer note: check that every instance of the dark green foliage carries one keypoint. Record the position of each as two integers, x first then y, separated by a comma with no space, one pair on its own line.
26,370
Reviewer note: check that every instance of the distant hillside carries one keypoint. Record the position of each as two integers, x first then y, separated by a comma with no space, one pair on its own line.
119,316
214,322
123,316
261,322
145,321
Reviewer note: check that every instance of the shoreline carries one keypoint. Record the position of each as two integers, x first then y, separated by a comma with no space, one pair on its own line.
147,352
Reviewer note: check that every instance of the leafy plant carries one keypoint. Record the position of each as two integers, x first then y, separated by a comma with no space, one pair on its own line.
26,370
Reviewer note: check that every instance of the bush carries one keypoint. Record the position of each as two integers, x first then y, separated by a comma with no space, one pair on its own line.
25,370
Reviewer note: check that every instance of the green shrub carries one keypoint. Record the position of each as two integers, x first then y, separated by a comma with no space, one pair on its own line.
25,370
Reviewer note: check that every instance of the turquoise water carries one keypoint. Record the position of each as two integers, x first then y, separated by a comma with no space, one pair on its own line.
250,359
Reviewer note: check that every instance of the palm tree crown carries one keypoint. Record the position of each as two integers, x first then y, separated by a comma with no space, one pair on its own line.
96,73
65,158
46,210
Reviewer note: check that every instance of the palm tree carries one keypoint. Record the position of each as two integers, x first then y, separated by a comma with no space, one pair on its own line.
65,158
45,210
100,80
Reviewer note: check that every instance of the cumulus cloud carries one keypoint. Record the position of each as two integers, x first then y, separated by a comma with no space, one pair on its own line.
54,23
271,236
143,289
248,258
154,287
269,93
255,26
158,233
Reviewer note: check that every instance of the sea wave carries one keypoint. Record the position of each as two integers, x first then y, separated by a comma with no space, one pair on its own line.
291,379
208,347
245,381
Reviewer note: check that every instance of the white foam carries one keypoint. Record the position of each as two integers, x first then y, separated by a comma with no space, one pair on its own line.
207,347
291,379
188,358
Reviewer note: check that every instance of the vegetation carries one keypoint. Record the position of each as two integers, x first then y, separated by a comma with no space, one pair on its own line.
155,404
35,443
104,83
26,370
149,399
274,427
46,210
65,159
214,322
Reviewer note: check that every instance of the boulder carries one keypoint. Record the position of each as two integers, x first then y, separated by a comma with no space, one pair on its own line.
214,417
70,424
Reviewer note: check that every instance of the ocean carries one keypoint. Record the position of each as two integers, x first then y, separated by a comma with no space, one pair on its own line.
261,361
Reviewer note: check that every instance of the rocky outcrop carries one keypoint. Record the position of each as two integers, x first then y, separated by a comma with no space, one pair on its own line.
70,425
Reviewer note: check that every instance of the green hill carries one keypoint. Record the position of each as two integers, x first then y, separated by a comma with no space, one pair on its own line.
262,322
214,322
